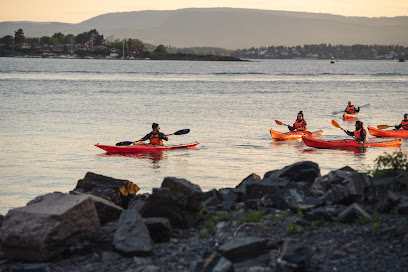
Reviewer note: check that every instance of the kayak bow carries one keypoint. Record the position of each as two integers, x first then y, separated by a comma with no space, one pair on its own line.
347,143
292,134
142,147
350,116
394,133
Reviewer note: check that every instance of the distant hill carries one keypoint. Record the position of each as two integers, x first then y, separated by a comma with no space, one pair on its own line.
230,28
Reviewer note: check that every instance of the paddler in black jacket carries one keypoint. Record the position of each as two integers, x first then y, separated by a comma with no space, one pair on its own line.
360,133
404,123
155,136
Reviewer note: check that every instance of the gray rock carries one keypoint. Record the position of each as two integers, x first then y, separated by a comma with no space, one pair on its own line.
107,210
352,213
294,257
159,228
215,263
243,248
48,226
117,191
178,200
132,236
301,171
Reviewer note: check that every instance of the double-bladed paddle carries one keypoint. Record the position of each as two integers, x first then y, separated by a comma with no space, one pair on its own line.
307,133
179,132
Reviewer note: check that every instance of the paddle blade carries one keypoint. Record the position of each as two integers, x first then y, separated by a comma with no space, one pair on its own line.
182,131
278,122
334,123
383,126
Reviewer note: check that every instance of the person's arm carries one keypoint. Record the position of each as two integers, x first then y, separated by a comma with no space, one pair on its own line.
304,125
357,109
398,126
163,137
291,128
350,133
146,137
362,135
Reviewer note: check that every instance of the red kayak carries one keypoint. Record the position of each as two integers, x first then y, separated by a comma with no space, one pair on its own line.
394,133
350,116
292,134
142,147
347,143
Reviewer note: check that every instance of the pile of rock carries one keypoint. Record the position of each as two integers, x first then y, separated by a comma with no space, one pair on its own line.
292,219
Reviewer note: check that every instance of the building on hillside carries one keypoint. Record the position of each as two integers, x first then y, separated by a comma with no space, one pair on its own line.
58,48
24,45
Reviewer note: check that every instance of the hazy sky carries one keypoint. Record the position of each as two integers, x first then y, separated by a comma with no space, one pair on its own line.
76,11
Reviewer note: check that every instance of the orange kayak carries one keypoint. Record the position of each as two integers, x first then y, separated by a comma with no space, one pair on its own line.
394,133
142,147
347,143
292,134
350,116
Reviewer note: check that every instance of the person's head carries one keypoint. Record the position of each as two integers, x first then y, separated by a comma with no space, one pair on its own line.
300,115
359,124
350,103
155,127
406,116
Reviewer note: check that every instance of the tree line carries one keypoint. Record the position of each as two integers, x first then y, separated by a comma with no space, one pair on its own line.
92,39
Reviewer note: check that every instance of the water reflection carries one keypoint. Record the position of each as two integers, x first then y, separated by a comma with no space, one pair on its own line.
154,156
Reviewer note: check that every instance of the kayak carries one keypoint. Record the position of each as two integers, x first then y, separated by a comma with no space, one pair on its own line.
347,143
292,134
350,116
396,133
142,147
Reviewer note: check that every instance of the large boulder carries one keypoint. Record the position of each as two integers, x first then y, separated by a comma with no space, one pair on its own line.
132,237
178,200
47,226
117,191
301,171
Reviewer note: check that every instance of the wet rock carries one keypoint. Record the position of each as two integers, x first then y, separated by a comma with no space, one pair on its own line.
132,237
352,213
243,248
178,200
294,257
117,191
48,226
159,228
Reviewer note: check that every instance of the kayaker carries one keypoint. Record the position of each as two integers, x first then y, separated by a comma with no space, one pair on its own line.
350,109
360,133
300,123
155,136
404,123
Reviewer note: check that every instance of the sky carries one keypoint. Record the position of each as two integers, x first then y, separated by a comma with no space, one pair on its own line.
76,11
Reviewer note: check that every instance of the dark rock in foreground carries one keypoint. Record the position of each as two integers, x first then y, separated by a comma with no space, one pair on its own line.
293,219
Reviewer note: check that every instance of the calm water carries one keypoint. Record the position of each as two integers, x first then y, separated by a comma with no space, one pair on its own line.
53,111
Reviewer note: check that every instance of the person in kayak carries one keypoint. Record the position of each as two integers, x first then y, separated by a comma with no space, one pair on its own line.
155,136
350,109
404,123
300,123
360,133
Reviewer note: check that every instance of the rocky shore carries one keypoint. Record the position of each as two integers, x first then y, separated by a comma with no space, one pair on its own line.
291,219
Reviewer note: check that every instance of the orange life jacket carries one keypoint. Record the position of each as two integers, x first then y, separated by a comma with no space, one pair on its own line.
404,124
357,134
350,109
300,125
154,139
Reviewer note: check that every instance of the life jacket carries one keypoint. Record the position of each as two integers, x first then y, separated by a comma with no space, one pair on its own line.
350,109
154,139
300,125
357,134
404,124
